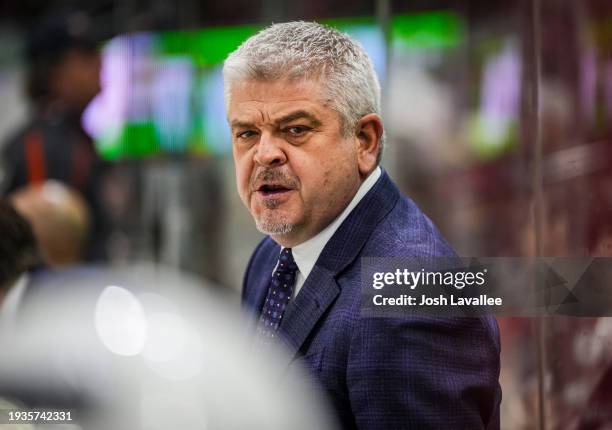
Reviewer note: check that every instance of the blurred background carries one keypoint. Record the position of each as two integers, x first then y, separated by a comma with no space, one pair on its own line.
499,123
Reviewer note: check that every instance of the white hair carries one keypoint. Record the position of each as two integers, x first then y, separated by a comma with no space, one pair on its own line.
308,50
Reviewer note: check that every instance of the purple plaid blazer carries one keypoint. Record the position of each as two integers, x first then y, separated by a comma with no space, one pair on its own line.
384,373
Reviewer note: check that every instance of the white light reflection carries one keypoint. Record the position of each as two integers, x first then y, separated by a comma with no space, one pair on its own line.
167,337
120,321
174,348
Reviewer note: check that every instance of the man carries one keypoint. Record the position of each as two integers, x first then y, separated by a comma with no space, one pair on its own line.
63,76
303,104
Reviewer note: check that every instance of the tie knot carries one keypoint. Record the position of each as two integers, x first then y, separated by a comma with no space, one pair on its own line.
286,263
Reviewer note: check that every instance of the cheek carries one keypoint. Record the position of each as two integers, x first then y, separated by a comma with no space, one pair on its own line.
334,184
317,188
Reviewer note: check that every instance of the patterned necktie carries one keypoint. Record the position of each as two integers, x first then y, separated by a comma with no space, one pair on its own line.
279,294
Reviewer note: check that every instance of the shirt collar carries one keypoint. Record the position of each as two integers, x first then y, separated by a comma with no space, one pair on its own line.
306,254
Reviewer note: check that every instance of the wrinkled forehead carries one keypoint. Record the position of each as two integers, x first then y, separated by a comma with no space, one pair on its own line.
286,92
311,84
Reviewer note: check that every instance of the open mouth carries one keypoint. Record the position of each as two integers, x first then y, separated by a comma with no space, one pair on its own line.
272,189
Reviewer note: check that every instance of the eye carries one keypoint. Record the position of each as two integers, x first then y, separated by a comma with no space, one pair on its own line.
297,130
245,134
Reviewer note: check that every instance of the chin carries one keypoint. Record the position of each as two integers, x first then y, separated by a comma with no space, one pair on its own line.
274,228
274,222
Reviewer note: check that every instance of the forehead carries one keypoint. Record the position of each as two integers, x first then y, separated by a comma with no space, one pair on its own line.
268,99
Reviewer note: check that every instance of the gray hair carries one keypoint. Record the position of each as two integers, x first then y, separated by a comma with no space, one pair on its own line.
310,50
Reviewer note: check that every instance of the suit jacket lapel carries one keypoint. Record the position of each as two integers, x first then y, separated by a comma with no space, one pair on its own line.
321,289
317,294
258,288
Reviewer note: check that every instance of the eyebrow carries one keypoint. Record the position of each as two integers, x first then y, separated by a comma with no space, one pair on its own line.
299,114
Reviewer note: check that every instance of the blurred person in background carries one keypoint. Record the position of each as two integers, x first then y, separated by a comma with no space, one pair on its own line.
303,103
59,218
18,257
63,68
42,233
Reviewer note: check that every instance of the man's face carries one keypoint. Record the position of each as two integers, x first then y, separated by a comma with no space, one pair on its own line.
295,170
76,80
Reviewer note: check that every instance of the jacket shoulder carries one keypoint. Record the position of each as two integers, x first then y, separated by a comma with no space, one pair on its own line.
407,231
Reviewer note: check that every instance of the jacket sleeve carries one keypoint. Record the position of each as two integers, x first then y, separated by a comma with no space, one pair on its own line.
425,373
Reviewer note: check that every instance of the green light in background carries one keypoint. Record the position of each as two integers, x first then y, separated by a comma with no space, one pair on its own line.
210,46
491,137
207,47
135,140
346,23
440,29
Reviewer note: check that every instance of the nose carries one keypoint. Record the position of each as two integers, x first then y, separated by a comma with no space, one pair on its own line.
269,151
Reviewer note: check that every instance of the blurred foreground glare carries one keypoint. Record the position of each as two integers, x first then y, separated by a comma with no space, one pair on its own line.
145,348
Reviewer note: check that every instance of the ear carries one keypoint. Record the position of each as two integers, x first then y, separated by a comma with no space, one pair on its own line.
369,135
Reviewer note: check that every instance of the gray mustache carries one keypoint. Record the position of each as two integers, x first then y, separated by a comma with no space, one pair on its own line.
276,176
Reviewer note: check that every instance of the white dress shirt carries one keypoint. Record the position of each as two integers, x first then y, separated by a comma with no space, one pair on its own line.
306,254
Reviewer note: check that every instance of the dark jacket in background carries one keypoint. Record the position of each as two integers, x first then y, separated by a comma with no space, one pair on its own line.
54,146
